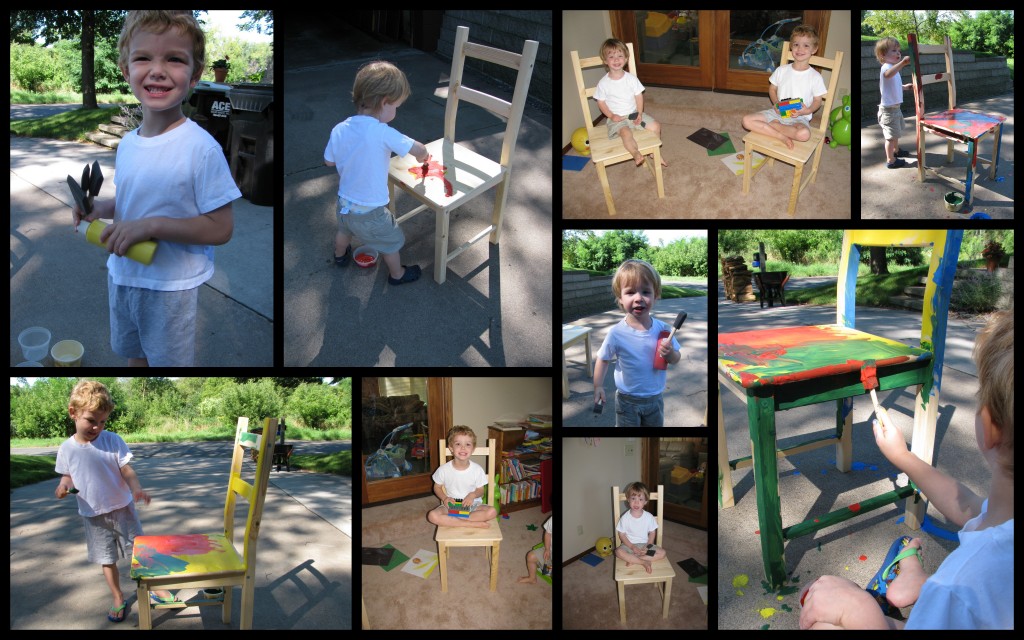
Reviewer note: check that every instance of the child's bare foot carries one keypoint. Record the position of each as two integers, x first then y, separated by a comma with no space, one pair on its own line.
527,580
905,588
663,163
647,567
789,143
638,158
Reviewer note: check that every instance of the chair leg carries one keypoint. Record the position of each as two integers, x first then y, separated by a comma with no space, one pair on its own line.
499,207
725,497
920,155
225,610
442,559
603,176
494,566
248,602
844,425
657,172
794,194
748,166
622,600
440,246
142,602
667,598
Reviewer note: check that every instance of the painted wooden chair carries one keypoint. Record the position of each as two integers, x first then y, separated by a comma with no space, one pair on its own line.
954,125
211,560
801,152
773,370
467,174
605,152
662,573
490,538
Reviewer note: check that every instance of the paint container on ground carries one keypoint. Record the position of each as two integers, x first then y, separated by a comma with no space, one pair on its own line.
954,201
67,353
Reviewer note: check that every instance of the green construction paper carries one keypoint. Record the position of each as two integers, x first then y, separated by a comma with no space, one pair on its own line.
397,559
725,148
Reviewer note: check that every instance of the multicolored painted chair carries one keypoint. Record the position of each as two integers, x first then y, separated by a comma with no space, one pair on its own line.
773,370
211,560
662,573
468,174
490,538
955,125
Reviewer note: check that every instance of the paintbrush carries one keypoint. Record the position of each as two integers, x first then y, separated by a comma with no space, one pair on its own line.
869,378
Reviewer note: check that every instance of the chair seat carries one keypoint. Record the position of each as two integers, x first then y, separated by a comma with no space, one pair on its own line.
635,573
962,123
184,556
469,536
468,172
800,152
603,148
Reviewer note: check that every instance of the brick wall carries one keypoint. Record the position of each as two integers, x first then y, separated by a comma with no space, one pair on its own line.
583,295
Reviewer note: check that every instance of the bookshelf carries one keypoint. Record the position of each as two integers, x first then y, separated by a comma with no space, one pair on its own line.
519,472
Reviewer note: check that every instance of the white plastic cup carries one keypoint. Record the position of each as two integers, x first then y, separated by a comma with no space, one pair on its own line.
365,251
67,353
35,343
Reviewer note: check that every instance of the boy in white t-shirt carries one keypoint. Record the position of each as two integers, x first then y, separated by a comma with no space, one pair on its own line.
94,463
620,97
973,587
633,342
461,479
890,113
795,80
637,529
173,185
360,148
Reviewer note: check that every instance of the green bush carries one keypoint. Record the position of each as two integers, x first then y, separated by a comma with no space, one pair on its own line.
43,413
254,400
977,294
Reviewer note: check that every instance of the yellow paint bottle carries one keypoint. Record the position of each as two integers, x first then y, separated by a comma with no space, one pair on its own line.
140,252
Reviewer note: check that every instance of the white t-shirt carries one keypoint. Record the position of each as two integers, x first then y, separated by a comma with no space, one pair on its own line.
634,370
806,85
620,95
890,88
636,530
95,470
973,587
458,484
178,174
360,147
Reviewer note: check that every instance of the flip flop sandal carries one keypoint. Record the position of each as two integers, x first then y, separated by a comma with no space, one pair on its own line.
162,599
890,568
119,611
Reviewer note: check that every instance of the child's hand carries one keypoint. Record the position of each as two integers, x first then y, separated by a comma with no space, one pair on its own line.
665,347
639,118
62,491
888,438
143,496
599,395
120,236
617,118
905,61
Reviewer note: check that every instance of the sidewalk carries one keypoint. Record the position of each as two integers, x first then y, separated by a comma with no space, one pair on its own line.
809,483
304,567
59,281
494,308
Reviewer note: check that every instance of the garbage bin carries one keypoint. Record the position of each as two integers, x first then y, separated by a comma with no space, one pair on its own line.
251,150
213,110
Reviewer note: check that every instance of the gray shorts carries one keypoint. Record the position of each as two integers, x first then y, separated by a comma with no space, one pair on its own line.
891,120
771,115
634,411
614,127
111,536
157,325
378,229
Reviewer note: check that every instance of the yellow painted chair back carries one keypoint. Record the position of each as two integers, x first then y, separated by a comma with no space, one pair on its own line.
605,151
662,571
211,560
489,538
801,152
468,173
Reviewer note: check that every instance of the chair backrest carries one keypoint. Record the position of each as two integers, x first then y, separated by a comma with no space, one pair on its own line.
254,493
619,497
490,450
834,65
919,80
585,93
941,271
512,112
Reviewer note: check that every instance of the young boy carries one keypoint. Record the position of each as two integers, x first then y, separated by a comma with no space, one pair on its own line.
633,341
535,561
637,530
890,115
619,95
795,80
360,148
973,587
173,185
95,462
461,479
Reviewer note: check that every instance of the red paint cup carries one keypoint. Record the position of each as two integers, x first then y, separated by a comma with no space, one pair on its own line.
659,362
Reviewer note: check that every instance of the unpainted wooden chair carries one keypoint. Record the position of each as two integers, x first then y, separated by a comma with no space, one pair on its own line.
468,174
954,125
801,152
490,538
662,571
211,560
605,152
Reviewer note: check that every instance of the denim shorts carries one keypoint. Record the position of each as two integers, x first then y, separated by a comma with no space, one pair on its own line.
634,411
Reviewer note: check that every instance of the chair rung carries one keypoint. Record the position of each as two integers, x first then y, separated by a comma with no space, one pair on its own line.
835,517
487,230
418,209
808,445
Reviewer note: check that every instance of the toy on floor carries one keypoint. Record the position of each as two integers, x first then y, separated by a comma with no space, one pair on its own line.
842,124
581,141
603,547
789,106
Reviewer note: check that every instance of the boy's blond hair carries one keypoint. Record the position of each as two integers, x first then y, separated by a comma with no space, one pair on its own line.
993,354
632,271
882,46
637,489
614,44
89,395
805,30
461,430
159,22
376,82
